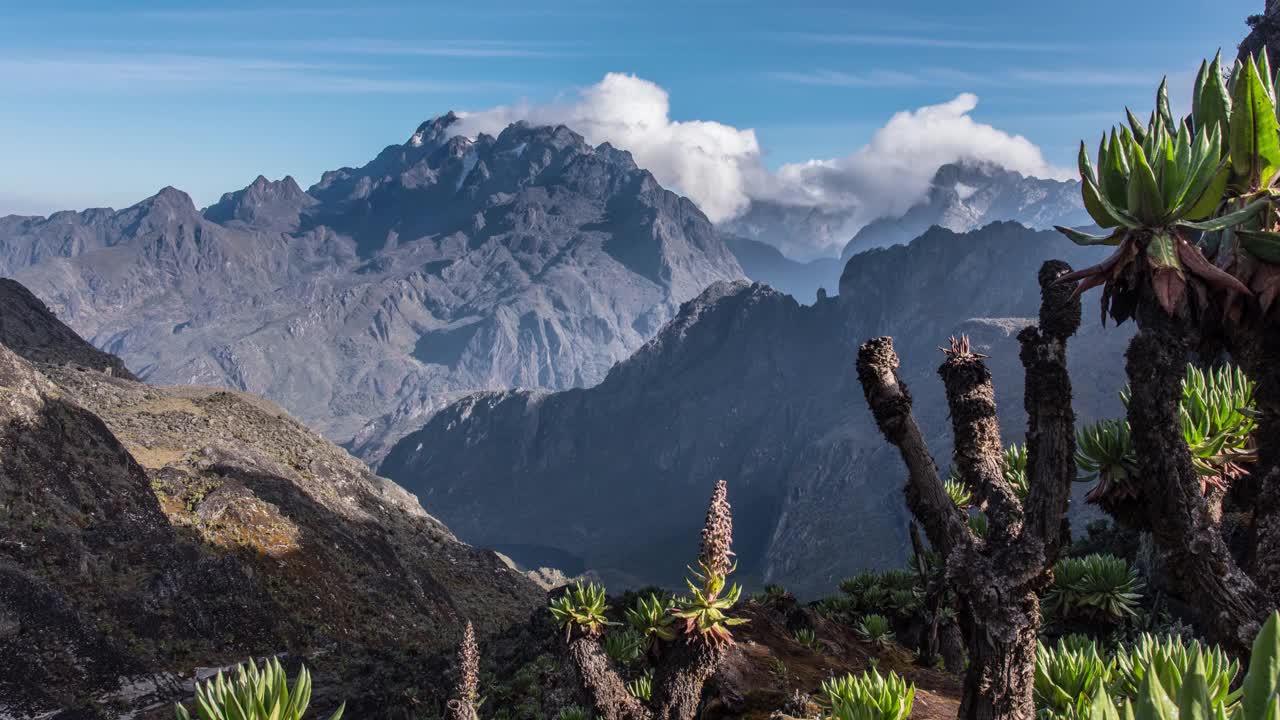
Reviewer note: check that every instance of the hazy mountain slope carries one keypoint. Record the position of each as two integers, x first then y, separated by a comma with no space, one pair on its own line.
747,385
965,197
151,530
443,266
764,263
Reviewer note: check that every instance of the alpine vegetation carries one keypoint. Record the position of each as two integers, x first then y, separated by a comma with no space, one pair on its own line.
253,694
467,695
686,637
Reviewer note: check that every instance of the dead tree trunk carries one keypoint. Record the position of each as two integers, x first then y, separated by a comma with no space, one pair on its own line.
995,578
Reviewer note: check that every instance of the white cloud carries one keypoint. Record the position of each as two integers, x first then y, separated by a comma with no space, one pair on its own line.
720,167
892,171
708,161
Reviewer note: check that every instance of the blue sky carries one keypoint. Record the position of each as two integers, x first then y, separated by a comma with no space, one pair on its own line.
104,103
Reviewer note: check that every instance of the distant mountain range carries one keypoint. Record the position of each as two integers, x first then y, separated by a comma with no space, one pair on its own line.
961,197
622,361
443,266
746,384
967,196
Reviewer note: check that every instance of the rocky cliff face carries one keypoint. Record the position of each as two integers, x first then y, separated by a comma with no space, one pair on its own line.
445,265
747,385
964,197
146,531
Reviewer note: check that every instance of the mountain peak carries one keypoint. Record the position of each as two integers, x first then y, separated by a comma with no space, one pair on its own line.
433,131
171,199
262,203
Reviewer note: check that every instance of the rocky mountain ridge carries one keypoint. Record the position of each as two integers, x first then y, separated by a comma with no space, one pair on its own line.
962,197
147,531
746,384
443,266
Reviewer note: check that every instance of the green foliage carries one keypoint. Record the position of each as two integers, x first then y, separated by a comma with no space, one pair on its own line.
705,610
979,524
837,606
1104,453
651,617
1098,587
778,669
253,694
869,696
1159,680
1192,688
1014,464
1163,183
1067,677
958,492
1172,659
625,647
808,638
573,712
1217,418
642,687
583,607
875,629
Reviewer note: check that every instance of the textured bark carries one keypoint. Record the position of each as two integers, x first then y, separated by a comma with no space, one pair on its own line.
1051,420
1192,549
979,453
608,692
1257,350
678,682
1000,637
890,404
995,579
934,595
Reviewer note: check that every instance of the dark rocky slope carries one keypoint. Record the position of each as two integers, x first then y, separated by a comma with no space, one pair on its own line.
748,385
443,266
148,531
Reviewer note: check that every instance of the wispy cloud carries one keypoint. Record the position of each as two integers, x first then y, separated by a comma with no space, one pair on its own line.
922,41
952,76
250,13
467,49
836,78
170,72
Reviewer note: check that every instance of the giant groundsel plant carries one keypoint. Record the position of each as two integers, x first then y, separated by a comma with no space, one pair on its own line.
1169,189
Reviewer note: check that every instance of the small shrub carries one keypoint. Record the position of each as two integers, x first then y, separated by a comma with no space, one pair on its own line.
778,669
958,492
1098,587
254,694
651,618
1166,692
876,630
869,696
642,687
573,712
1173,659
1067,677
625,647
583,606
809,639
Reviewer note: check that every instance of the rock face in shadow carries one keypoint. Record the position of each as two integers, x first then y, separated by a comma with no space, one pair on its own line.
747,385
30,330
443,266
149,531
